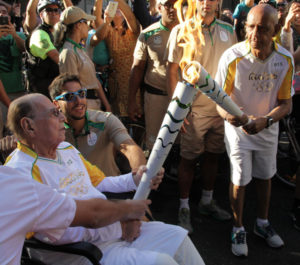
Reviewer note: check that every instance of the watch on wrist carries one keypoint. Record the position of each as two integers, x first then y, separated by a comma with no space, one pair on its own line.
270,121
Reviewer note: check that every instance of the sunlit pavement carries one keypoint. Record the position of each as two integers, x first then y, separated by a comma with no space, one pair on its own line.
212,238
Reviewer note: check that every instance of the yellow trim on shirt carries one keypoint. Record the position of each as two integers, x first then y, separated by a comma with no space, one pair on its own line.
96,175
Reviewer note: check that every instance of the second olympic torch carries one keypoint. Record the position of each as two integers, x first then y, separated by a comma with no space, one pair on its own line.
197,79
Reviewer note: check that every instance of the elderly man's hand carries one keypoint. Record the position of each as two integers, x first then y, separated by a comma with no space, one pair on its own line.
131,230
236,120
256,125
137,175
136,209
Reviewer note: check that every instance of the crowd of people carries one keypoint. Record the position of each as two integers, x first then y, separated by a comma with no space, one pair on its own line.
67,78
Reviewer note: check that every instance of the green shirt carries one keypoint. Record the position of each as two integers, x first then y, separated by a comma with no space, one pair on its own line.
10,64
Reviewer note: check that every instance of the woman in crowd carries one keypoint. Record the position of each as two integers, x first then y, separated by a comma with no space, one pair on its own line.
120,33
68,35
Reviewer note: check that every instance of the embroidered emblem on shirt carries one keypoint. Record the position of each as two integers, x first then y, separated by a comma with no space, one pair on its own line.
157,40
92,139
223,36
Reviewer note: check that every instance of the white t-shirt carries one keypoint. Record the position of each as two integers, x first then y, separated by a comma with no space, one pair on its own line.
28,206
256,86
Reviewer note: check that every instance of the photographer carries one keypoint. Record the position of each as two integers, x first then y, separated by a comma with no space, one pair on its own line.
11,48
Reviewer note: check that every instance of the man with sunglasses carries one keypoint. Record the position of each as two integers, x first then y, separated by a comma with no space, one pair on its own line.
42,56
205,128
95,133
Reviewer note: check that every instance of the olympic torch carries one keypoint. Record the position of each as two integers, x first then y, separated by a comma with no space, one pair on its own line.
197,79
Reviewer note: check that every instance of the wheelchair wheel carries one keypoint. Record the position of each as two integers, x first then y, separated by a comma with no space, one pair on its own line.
287,164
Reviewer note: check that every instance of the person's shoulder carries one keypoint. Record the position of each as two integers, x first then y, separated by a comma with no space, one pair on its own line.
224,25
152,27
235,52
65,146
150,31
98,118
283,51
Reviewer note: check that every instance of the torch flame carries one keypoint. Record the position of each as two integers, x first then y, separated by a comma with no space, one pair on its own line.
191,72
190,36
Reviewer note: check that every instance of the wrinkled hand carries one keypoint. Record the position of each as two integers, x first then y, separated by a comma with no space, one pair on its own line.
256,125
136,209
131,230
8,144
236,120
134,112
155,181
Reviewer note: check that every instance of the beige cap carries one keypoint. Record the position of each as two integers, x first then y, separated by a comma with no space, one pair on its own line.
73,14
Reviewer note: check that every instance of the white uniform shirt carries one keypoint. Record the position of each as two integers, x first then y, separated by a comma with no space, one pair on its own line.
256,86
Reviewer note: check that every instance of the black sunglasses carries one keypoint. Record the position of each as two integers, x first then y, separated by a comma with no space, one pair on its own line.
71,96
50,10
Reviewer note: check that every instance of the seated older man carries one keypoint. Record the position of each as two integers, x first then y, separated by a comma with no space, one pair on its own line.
42,155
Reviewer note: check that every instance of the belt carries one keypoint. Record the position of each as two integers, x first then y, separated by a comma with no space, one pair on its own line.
153,90
92,94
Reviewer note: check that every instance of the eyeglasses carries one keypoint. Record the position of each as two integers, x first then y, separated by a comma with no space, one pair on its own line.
281,5
71,96
55,112
50,10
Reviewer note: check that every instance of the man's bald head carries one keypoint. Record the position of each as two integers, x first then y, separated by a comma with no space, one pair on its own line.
21,107
264,10
261,26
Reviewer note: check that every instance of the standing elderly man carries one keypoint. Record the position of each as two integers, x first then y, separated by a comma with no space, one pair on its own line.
95,133
262,71
205,132
43,156
149,71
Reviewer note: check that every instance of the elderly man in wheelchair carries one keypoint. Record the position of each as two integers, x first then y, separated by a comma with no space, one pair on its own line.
43,155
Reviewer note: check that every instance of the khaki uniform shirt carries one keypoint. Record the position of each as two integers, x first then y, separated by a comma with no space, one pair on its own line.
150,47
102,132
73,59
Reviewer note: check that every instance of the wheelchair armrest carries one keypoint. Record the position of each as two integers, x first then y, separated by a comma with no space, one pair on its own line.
85,249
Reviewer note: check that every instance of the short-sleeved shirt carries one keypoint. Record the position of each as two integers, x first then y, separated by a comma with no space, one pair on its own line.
102,132
11,64
29,206
100,53
241,11
218,36
74,60
40,44
150,47
256,86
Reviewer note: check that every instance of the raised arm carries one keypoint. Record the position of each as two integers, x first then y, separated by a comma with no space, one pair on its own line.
129,16
67,3
142,13
31,21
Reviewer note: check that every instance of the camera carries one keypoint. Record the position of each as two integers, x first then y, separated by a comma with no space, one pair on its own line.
3,20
